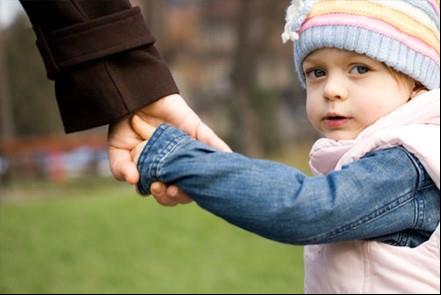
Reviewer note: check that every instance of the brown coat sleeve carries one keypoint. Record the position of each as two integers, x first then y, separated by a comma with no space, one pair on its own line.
102,58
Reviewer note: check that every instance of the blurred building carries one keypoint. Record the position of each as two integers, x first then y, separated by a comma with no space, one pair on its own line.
58,159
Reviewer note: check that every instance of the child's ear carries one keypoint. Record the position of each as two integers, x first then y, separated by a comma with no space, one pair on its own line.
417,88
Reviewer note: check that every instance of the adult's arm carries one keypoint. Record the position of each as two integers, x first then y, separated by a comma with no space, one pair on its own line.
102,58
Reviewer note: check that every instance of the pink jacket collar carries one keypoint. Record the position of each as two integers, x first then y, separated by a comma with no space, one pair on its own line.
423,109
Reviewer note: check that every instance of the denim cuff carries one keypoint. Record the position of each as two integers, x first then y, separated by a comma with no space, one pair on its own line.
164,140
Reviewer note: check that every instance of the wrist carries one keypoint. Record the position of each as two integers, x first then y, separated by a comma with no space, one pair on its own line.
151,159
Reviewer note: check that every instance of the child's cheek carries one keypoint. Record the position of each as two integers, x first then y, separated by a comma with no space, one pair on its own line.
312,110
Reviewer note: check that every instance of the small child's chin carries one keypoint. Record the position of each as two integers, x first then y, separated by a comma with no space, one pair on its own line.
339,135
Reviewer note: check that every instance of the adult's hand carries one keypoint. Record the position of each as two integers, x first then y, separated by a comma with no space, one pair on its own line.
122,139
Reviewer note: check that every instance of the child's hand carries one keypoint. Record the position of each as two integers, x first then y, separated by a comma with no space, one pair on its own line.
166,196
144,130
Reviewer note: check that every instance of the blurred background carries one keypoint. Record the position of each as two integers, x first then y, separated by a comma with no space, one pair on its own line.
66,226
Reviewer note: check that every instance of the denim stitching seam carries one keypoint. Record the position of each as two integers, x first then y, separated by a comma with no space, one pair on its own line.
366,219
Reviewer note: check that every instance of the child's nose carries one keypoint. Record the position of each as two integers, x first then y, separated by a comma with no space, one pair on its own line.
335,88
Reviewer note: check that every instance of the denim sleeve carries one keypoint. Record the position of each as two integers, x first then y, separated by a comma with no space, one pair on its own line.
372,197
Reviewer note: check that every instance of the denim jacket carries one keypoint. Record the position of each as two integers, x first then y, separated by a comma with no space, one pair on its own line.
385,196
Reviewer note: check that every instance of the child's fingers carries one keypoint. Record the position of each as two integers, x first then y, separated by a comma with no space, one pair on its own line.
142,128
178,195
158,191
168,196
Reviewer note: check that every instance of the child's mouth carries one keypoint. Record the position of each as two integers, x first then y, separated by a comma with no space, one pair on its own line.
335,121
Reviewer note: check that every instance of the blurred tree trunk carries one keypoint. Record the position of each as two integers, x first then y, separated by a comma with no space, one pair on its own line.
252,34
6,118
243,78
33,103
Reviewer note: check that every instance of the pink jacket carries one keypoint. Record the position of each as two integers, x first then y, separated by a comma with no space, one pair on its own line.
369,266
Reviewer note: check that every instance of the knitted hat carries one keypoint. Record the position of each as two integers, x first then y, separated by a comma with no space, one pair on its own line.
403,34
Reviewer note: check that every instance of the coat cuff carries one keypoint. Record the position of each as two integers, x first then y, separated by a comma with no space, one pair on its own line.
102,58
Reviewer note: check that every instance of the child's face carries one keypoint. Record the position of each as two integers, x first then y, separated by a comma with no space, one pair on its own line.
347,92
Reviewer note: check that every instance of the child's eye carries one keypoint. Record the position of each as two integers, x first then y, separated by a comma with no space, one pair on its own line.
315,73
360,69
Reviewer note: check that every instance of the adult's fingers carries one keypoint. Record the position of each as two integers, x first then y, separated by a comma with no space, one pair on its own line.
122,167
207,136
136,152
141,127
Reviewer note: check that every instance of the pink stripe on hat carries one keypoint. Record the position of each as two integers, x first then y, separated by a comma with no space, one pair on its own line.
435,5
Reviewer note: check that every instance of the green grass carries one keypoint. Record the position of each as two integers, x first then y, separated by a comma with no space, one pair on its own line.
99,237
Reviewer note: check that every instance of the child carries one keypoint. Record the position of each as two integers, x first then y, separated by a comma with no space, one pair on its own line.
370,216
